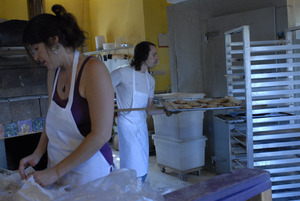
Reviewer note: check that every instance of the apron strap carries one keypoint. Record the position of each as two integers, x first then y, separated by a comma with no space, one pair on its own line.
74,70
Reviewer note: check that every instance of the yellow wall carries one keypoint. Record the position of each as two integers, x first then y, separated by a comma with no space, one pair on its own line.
117,19
131,20
16,9
79,8
155,23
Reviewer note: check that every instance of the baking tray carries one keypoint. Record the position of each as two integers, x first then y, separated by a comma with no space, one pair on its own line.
172,107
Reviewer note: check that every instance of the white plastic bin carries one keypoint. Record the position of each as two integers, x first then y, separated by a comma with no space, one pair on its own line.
180,155
183,126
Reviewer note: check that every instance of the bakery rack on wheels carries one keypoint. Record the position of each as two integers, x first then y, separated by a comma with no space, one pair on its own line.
181,174
265,74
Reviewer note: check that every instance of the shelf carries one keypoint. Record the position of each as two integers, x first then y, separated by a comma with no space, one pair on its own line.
13,51
19,135
107,50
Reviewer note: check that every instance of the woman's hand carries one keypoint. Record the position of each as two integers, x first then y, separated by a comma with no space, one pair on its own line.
31,160
45,177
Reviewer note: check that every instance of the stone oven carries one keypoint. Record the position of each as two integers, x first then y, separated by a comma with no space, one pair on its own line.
23,96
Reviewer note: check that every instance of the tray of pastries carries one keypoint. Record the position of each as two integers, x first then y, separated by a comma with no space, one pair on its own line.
227,102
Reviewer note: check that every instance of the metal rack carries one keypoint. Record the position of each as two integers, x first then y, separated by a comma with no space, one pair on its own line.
266,75
99,53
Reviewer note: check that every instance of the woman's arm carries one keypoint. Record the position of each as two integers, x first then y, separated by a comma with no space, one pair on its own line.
35,157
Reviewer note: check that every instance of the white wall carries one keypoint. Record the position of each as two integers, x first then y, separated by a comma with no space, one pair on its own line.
190,61
187,27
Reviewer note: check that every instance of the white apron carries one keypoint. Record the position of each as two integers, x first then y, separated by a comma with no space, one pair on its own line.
133,134
64,137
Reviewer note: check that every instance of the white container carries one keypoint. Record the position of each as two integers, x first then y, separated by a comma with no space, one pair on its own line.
181,155
183,126
108,46
99,42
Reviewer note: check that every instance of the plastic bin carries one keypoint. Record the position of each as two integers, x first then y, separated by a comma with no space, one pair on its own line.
183,126
180,155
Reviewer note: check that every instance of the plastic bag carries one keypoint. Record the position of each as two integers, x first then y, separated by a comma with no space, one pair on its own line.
12,188
9,185
121,184
31,191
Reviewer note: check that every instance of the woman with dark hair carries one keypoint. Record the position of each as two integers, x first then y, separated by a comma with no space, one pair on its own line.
135,89
81,102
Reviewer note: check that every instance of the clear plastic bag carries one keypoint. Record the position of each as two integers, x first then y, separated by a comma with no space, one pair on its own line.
121,185
12,188
9,185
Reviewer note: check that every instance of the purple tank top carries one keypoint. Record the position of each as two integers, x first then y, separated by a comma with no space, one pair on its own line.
81,114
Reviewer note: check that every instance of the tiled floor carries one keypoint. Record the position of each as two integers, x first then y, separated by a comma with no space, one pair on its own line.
169,180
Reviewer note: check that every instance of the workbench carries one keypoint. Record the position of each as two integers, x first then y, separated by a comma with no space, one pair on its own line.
241,184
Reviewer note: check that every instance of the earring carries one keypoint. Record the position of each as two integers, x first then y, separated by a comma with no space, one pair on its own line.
56,49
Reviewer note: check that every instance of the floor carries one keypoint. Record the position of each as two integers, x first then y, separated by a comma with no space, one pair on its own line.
169,180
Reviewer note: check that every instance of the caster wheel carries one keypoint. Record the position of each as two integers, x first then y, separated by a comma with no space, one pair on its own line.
163,170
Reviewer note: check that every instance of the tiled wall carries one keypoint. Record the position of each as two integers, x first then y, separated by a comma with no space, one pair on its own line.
22,116
23,97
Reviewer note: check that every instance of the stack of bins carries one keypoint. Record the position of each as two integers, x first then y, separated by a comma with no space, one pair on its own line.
178,139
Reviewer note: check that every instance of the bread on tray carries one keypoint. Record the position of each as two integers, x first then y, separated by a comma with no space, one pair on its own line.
227,101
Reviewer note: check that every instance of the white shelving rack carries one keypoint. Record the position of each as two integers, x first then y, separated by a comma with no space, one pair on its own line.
99,53
266,75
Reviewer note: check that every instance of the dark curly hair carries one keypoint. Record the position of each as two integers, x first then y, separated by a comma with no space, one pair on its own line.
141,53
62,24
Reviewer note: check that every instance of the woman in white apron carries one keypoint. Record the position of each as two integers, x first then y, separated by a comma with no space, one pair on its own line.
79,119
135,89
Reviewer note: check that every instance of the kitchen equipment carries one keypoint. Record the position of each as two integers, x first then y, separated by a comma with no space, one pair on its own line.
171,106
178,139
23,92
108,46
181,126
269,85
182,156
99,42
